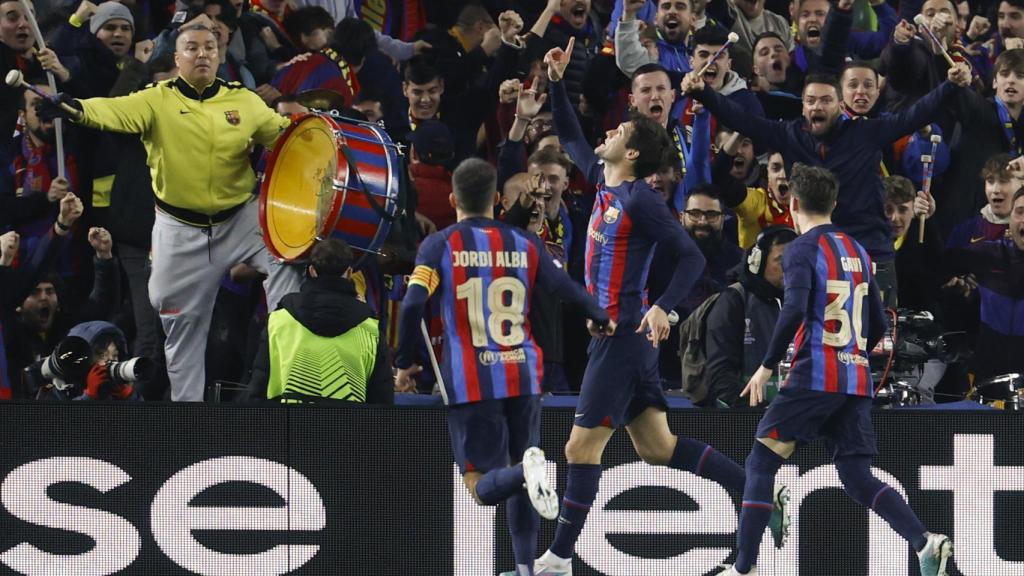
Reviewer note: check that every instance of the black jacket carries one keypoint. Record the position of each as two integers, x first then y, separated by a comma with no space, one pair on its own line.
326,307
917,270
739,328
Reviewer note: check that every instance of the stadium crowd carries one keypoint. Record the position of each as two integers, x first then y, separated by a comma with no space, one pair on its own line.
129,215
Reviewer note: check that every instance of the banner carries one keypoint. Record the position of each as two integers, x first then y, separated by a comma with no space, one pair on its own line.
160,489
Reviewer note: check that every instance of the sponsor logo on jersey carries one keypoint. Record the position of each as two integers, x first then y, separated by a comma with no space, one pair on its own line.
491,357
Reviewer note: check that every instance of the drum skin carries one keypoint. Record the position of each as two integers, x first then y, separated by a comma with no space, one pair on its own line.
310,191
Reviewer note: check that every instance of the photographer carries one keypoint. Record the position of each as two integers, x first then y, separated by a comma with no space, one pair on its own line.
39,321
93,372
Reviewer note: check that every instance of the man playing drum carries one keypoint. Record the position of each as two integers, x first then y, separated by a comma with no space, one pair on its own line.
197,131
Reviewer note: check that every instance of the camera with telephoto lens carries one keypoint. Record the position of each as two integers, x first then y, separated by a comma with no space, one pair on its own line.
132,370
70,361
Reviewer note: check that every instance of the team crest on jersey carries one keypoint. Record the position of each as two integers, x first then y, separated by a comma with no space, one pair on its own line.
611,215
233,117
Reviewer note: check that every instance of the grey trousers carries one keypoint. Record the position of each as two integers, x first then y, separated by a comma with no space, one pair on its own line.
188,264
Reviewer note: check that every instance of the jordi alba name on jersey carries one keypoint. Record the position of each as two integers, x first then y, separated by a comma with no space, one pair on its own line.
484,272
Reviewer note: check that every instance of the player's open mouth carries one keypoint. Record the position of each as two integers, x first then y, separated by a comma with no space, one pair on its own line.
861,102
579,10
783,189
1010,91
813,32
997,201
44,314
739,162
711,74
656,110
777,65
672,23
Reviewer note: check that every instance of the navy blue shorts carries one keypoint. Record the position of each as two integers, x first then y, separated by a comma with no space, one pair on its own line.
621,381
492,434
841,420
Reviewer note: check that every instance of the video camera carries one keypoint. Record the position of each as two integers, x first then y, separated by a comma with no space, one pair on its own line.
915,339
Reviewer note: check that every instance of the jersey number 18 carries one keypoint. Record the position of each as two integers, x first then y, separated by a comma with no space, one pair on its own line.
504,316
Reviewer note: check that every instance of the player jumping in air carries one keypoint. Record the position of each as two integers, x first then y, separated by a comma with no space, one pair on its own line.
832,305
485,273
621,386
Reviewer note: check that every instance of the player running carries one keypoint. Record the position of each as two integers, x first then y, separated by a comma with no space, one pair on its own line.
485,273
621,385
833,307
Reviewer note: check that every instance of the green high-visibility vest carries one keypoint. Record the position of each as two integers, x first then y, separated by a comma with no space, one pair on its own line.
302,362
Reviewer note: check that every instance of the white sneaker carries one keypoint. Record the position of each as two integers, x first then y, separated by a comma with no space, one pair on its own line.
936,552
731,571
542,496
550,565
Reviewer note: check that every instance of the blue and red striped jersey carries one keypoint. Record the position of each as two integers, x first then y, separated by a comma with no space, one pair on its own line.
832,344
484,272
626,223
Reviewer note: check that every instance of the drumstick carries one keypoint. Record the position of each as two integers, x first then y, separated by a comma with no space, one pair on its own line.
433,362
16,79
926,183
58,124
733,38
922,21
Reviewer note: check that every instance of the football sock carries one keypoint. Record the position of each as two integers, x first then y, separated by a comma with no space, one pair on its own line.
497,485
580,490
868,491
762,465
523,525
703,460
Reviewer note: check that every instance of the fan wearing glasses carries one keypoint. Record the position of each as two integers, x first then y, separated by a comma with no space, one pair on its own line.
702,218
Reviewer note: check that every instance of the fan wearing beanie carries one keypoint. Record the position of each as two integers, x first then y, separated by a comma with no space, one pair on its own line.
89,63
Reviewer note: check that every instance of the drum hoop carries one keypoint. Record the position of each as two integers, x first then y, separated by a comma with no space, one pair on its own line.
268,177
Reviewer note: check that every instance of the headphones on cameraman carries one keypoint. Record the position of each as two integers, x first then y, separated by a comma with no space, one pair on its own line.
762,245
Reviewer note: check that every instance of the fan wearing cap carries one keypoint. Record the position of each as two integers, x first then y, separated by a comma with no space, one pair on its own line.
431,153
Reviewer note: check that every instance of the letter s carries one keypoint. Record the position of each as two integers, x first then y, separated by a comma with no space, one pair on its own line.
24,495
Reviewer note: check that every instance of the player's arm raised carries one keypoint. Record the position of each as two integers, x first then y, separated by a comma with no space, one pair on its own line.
564,116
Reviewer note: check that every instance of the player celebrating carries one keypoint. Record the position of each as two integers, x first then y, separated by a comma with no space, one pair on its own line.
484,272
621,386
833,307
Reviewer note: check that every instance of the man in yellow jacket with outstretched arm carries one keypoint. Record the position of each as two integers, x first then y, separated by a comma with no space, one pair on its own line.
198,131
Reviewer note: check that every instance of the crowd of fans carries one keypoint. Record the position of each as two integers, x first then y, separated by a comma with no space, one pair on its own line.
919,119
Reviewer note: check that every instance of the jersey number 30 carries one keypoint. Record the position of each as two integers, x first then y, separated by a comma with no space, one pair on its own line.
505,322
836,310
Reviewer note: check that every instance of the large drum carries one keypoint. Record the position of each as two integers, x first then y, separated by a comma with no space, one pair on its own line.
1004,392
329,177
